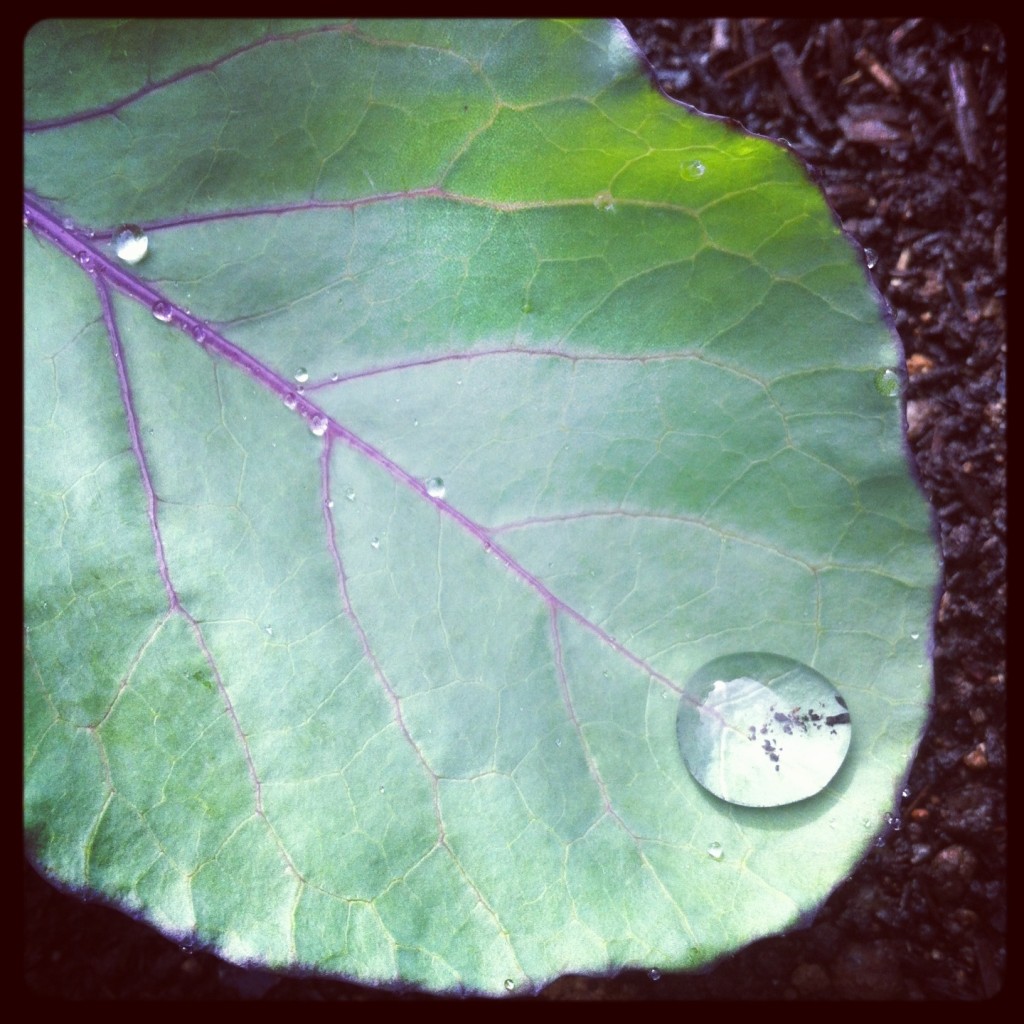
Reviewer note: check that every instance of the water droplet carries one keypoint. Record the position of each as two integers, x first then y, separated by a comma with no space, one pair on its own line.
603,201
162,312
691,170
760,730
199,333
870,258
435,487
269,630
509,984
68,224
527,308
654,974
375,543
330,503
350,494
318,426
558,741
914,636
290,400
130,243
335,376
906,792
84,260
887,382
715,851
301,375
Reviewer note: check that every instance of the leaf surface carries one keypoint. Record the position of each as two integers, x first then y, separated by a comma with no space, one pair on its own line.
469,398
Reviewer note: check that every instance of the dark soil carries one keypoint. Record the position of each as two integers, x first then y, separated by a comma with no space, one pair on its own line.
905,125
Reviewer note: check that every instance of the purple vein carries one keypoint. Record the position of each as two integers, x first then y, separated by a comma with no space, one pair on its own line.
190,72
174,602
41,220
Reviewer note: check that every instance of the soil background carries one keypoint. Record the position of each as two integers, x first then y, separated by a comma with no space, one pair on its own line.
904,125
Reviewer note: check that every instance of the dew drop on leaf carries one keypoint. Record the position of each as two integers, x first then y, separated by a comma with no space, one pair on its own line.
130,243
691,170
290,400
199,333
715,851
760,730
84,260
375,543
318,426
301,375
603,201
162,312
509,984
887,383
435,487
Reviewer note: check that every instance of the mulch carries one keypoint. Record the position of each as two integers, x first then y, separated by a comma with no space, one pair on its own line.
904,125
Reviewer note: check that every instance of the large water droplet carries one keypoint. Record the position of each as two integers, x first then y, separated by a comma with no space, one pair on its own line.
162,312
761,730
691,170
603,201
887,382
301,375
435,487
130,243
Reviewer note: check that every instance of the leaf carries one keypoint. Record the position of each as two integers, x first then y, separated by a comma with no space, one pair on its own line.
468,398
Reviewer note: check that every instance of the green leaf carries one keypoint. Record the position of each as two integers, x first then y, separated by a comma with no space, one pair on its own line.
469,397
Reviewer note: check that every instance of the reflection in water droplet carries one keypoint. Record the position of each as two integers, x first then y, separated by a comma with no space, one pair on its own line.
887,382
301,375
870,258
761,730
162,312
130,243
318,426
435,487
715,851
290,400
604,201
691,170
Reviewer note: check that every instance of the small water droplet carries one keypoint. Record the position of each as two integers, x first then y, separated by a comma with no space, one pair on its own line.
558,741
318,426
162,312
84,260
290,400
435,487
415,423
350,494
654,974
335,376
691,170
458,382
870,258
906,792
914,636
527,308
330,503
199,333
760,730
715,851
509,984
130,243
301,375
603,201
269,630
887,382
68,224
381,789
375,543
